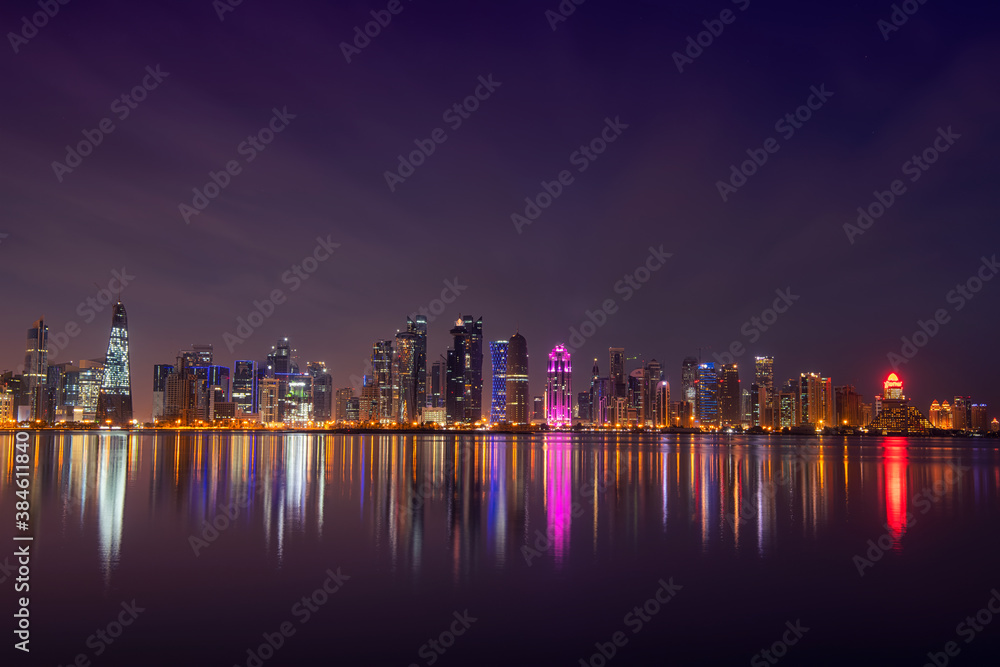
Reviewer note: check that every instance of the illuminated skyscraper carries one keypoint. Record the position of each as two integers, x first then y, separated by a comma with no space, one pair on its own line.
419,329
382,380
498,402
160,374
661,412
342,398
893,387
279,365
961,410
559,389
934,413
245,386
730,398
35,368
897,416
518,400
465,371
815,404
322,391
405,377
764,378
848,407
616,372
438,384
689,391
114,404
980,420
707,397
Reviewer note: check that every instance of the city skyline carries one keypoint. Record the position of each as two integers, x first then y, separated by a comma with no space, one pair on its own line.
396,388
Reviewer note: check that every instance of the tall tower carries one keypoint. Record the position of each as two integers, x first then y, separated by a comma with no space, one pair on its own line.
559,389
114,403
729,395
518,400
473,369
245,386
405,377
36,367
382,363
419,329
616,372
707,398
764,379
279,363
498,404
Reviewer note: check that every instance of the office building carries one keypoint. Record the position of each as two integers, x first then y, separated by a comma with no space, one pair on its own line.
35,368
559,389
114,403
517,396
498,400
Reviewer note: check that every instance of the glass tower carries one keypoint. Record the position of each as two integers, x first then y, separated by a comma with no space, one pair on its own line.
498,404
114,403
518,400
558,389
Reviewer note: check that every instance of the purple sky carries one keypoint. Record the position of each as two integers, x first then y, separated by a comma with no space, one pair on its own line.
656,184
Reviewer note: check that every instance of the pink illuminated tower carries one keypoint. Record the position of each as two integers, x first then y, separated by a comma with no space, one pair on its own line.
558,389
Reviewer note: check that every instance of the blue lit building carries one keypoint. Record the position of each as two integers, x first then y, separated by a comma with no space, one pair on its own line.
498,405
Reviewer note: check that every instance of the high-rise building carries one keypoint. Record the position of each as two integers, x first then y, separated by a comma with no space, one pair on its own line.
36,368
77,387
848,404
498,401
538,413
341,400
269,388
299,400
816,402
517,396
353,408
559,389
160,374
980,421
730,397
583,406
419,329
322,391
689,390
661,412
438,384
382,378
764,378
961,410
114,404
934,413
245,388
616,372
897,416
636,396
707,397
279,365
405,377
465,370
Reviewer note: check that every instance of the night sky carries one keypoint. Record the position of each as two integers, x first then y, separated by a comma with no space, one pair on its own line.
551,91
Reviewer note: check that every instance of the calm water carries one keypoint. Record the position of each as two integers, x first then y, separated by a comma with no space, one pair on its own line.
531,550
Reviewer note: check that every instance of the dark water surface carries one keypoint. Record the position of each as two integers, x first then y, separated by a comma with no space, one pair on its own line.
531,550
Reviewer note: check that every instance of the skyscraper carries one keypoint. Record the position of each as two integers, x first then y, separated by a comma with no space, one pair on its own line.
707,398
382,380
764,379
730,396
405,377
498,402
518,400
160,374
245,389
322,391
36,368
689,391
559,389
465,371
279,363
438,383
419,329
616,372
114,404
341,401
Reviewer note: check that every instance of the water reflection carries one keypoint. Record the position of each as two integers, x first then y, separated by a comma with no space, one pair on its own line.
470,502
